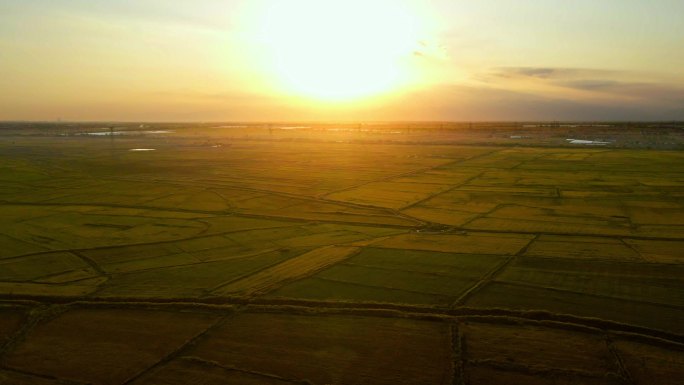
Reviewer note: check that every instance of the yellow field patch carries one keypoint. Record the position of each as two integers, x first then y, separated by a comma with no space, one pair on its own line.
475,243
609,194
529,226
292,269
526,191
462,201
437,215
389,194
564,213
202,200
440,177
575,155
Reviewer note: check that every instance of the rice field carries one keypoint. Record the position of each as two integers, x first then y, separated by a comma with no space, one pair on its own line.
297,259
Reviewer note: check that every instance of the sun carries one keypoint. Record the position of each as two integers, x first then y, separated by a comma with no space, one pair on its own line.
339,50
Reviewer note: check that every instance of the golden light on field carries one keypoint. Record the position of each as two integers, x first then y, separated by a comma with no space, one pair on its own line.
340,50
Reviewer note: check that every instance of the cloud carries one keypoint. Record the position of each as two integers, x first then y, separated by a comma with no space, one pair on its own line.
539,72
463,103
594,88
549,73
656,91
591,84
653,94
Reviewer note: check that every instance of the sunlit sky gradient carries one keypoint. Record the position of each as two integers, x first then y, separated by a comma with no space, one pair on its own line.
265,60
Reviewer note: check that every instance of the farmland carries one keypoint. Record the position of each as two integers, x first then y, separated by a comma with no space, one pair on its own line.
259,255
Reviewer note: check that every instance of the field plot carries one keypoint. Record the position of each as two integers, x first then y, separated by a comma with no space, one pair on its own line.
504,158
191,280
228,245
191,370
77,288
298,267
658,251
13,378
195,250
393,195
338,255
502,295
56,267
437,176
526,350
453,207
332,349
652,283
10,321
311,235
566,194
550,220
330,211
471,243
650,364
59,229
610,160
582,248
492,375
661,231
440,215
105,346
395,276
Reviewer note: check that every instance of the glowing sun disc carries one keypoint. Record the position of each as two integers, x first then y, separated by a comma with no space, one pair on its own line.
339,50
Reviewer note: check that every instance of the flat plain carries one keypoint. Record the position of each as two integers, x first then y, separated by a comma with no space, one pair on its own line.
331,254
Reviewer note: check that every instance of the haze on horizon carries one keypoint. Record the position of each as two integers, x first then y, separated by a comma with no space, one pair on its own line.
173,60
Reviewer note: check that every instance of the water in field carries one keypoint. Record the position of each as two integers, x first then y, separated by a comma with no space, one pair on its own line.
110,133
588,142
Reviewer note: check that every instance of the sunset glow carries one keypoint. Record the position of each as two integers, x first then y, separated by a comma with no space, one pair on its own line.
256,60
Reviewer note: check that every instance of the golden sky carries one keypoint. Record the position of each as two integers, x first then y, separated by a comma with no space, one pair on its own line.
266,60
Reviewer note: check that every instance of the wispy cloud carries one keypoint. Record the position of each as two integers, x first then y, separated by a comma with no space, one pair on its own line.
551,73
589,86
490,103
659,91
